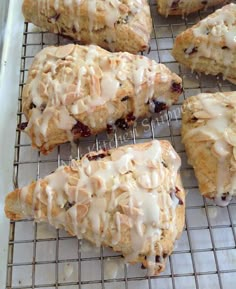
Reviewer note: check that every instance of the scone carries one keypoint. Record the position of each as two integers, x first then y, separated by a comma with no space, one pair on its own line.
116,25
130,198
209,136
76,91
210,45
184,7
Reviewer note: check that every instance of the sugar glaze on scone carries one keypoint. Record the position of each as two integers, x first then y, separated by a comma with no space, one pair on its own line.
130,198
210,45
209,136
116,25
184,7
75,91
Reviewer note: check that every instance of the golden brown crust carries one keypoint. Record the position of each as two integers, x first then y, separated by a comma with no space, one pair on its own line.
208,127
209,46
76,91
41,201
114,25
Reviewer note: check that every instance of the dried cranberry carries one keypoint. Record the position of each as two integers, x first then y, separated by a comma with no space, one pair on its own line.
173,194
191,51
175,4
158,259
32,105
22,126
122,123
42,107
159,106
95,157
164,255
82,129
125,98
67,206
176,87
194,119
164,165
225,196
62,30
110,128
180,201
74,29
130,117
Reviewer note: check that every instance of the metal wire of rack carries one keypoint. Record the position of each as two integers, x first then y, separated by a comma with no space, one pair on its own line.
205,256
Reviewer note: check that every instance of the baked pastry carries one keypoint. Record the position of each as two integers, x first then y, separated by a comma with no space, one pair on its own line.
210,45
209,136
75,91
184,7
116,25
130,198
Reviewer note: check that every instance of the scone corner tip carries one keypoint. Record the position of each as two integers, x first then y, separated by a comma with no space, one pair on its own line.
209,46
208,133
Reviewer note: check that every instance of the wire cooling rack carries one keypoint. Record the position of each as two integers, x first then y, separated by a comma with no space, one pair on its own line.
42,257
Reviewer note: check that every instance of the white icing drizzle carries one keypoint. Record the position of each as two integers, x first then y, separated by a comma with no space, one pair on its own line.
109,87
113,7
139,73
56,4
66,122
128,188
218,113
22,200
92,7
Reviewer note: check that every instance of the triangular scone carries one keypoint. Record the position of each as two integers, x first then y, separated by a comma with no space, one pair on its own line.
130,198
209,136
184,7
116,25
75,91
210,45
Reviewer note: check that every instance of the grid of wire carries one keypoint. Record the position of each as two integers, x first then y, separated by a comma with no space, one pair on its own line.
46,258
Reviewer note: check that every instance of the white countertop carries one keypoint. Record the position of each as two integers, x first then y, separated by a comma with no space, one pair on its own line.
3,16
9,79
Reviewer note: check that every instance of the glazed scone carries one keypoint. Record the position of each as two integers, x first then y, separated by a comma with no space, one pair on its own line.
116,25
210,45
76,91
130,198
184,7
209,136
